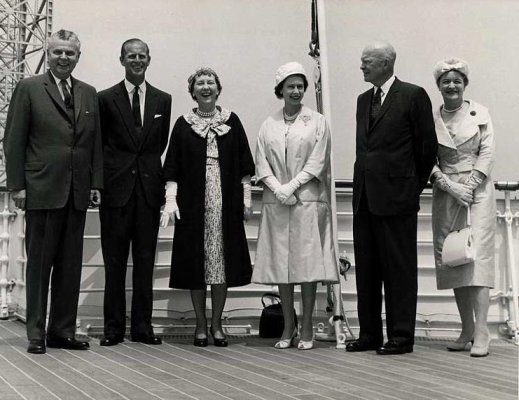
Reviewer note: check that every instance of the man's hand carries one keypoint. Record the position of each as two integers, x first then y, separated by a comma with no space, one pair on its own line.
19,198
95,198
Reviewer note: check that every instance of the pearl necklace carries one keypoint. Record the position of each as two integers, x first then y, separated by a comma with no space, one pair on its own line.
290,118
454,109
206,114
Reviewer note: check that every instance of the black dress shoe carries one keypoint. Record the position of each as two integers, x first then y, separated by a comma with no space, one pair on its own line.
67,343
392,347
36,347
147,339
110,341
361,345
219,341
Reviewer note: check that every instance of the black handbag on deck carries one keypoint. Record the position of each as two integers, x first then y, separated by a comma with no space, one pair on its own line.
271,323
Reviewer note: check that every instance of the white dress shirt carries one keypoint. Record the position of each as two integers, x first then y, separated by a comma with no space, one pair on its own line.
142,95
58,80
385,88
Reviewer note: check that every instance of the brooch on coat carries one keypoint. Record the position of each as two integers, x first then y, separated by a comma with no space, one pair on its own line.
305,118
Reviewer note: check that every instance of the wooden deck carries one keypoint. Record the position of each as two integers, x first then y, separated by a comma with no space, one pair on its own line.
250,369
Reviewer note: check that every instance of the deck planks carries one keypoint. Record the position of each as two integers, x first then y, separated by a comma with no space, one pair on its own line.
249,369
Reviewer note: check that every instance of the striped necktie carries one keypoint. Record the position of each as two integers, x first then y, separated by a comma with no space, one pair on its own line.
376,103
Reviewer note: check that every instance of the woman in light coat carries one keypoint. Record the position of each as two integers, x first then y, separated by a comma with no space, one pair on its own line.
462,179
295,243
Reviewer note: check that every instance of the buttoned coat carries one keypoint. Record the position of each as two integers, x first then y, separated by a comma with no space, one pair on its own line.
129,155
397,152
470,146
44,154
295,243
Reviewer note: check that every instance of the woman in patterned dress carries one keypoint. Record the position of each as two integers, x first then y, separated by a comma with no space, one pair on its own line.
295,243
207,169
461,179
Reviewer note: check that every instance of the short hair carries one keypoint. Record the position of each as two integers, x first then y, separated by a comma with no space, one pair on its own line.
385,50
133,40
279,87
63,34
199,72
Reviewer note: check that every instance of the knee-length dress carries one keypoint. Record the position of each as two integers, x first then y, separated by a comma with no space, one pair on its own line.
208,159
295,243
468,145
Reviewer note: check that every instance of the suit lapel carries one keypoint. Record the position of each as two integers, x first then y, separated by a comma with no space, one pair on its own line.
395,87
122,102
366,107
52,90
77,92
150,106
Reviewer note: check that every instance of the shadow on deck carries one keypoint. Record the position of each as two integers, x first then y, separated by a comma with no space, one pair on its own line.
250,368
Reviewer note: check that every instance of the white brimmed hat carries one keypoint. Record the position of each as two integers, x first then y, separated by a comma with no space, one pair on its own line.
288,69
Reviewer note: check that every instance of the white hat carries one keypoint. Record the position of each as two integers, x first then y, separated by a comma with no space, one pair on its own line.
288,69
451,64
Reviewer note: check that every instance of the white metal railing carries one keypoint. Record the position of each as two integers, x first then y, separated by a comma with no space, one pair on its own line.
13,259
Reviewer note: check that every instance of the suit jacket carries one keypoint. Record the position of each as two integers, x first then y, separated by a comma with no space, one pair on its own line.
395,155
47,151
128,154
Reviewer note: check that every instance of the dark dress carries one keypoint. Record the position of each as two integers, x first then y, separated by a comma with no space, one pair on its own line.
186,164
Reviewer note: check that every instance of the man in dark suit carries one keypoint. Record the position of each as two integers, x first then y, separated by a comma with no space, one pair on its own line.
135,119
54,167
396,150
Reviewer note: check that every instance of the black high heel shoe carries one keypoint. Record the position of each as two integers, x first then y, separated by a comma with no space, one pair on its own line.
200,341
219,342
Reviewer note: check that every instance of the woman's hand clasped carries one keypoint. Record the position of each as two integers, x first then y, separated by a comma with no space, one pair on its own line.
285,194
462,192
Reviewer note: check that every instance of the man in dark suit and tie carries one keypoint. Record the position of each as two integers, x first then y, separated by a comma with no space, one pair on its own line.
395,152
135,119
54,167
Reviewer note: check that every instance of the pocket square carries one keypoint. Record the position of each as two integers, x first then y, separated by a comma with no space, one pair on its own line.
157,116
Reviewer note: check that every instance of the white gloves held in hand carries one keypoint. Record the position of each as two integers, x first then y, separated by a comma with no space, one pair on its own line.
460,191
285,193
170,208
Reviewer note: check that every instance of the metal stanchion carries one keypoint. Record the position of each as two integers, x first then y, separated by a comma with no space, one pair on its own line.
512,295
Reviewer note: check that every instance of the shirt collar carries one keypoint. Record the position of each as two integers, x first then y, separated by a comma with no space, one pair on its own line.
386,86
129,86
58,80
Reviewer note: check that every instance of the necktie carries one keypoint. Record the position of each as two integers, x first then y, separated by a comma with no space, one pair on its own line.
67,97
136,108
375,105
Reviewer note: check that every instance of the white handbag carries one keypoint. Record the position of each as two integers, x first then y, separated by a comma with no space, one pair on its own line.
458,247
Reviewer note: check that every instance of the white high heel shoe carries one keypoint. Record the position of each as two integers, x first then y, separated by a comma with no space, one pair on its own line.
305,345
286,343
459,345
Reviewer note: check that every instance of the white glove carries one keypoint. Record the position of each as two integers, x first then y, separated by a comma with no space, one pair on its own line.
247,197
460,191
274,185
289,188
170,208
475,179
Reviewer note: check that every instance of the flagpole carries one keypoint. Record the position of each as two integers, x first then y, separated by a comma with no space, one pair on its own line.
336,321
